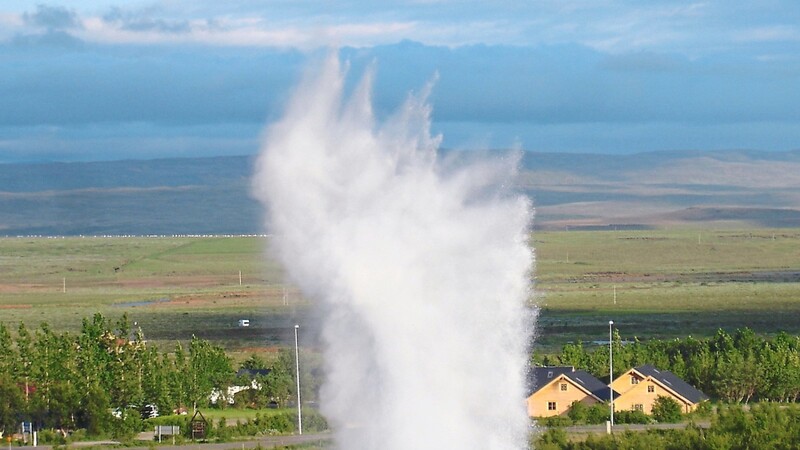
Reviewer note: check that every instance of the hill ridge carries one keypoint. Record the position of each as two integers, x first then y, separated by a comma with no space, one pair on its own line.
211,195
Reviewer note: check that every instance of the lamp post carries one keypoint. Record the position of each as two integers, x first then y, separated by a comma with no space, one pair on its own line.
610,371
297,375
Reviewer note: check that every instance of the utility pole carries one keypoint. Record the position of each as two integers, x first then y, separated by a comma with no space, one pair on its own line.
610,371
297,374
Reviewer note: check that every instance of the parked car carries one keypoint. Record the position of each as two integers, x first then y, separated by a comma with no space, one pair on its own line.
149,411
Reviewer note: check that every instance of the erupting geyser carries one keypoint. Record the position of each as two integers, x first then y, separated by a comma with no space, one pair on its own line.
421,264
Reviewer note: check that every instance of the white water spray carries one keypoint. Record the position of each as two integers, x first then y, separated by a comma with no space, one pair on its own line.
422,267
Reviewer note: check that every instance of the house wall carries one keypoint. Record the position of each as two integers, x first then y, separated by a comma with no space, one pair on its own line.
623,383
639,394
538,401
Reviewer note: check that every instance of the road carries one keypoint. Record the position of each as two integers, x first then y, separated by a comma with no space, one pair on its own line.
266,442
601,429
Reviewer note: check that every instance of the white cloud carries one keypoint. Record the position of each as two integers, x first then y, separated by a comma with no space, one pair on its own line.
248,31
651,27
776,33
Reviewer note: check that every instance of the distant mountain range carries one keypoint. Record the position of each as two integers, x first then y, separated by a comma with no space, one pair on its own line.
211,195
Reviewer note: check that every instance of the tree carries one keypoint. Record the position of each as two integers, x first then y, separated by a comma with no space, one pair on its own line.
279,384
8,354
95,411
254,362
178,376
574,355
154,369
666,410
11,405
209,369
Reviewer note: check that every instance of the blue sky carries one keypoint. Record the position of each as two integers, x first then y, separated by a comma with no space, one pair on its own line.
98,80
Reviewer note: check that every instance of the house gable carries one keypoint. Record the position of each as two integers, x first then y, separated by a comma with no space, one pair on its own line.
641,386
556,397
643,396
558,387
673,383
627,381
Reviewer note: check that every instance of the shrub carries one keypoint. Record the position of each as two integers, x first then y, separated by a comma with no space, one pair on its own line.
127,426
314,421
666,410
78,435
279,423
555,421
578,412
597,414
552,439
631,417
704,409
51,437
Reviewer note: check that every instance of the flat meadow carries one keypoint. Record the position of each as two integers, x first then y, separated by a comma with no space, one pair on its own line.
171,287
652,283
666,283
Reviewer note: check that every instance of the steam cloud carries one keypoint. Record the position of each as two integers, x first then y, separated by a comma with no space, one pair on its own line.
421,264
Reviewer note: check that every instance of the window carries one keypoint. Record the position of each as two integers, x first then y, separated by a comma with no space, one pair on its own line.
563,386
634,380
651,389
551,406
638,407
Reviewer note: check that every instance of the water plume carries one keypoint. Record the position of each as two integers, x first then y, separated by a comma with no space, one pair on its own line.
420,262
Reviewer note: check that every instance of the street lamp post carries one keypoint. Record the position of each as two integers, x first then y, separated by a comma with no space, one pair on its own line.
297,376
610,371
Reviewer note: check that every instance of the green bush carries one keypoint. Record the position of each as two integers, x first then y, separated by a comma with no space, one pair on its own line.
631,417
127,426
597,414
666,410
704,410
279,423
314,421
78,435
51,437
552,439
578,412
555,421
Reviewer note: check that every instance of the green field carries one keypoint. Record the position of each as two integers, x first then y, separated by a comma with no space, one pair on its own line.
668,284
656,283
171,287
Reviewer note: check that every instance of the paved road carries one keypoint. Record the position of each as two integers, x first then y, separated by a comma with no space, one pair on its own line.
601,429
266,441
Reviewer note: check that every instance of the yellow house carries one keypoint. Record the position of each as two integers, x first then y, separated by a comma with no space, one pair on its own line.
640,386
553,389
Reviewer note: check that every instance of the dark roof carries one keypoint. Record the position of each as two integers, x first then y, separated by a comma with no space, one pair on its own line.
592,384
540,376
252,373
672,381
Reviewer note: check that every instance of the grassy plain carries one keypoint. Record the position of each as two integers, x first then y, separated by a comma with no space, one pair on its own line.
172,287
666,283
655,283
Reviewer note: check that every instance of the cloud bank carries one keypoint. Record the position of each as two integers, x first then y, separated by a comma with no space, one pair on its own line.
574,76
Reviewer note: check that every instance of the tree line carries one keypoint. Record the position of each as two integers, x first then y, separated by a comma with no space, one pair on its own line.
69,381
737,368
